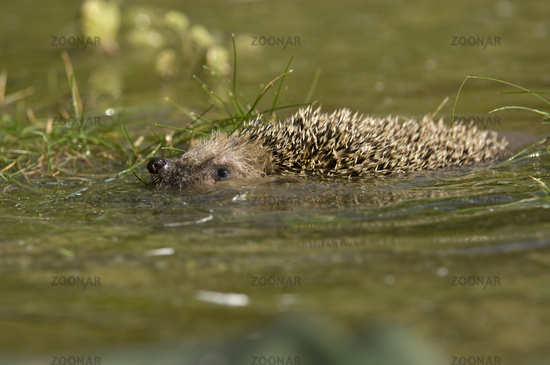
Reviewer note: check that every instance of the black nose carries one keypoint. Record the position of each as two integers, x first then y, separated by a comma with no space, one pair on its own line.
155,164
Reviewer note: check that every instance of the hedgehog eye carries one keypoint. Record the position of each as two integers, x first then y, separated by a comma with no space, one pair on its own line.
223,172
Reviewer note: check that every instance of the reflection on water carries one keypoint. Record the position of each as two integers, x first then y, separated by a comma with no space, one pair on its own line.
174,265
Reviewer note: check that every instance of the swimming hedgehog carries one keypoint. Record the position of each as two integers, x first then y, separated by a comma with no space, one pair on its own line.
341,144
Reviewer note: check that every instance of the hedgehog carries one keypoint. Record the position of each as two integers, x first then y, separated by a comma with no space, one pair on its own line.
341,145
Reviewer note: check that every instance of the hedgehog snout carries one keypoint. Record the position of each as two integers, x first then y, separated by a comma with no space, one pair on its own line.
155,164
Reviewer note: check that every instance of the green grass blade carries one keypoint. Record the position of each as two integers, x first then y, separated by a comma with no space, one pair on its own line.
502,82
287,70
313,86
540,112
234,95
526,151
212,93
125,133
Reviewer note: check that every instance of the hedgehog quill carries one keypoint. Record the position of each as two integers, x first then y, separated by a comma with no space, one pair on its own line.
342,144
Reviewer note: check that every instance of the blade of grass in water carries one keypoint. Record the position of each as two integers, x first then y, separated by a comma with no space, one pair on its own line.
313,86
527,151
234,93
545,188
264,91
125,133
287,70
69,72
534,148
212,93
547,115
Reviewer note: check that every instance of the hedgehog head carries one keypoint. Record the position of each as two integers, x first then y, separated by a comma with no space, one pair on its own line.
218,158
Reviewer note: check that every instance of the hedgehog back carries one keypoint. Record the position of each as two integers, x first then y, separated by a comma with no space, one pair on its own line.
348,145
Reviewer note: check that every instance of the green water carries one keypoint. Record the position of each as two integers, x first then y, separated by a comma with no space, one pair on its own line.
113,269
